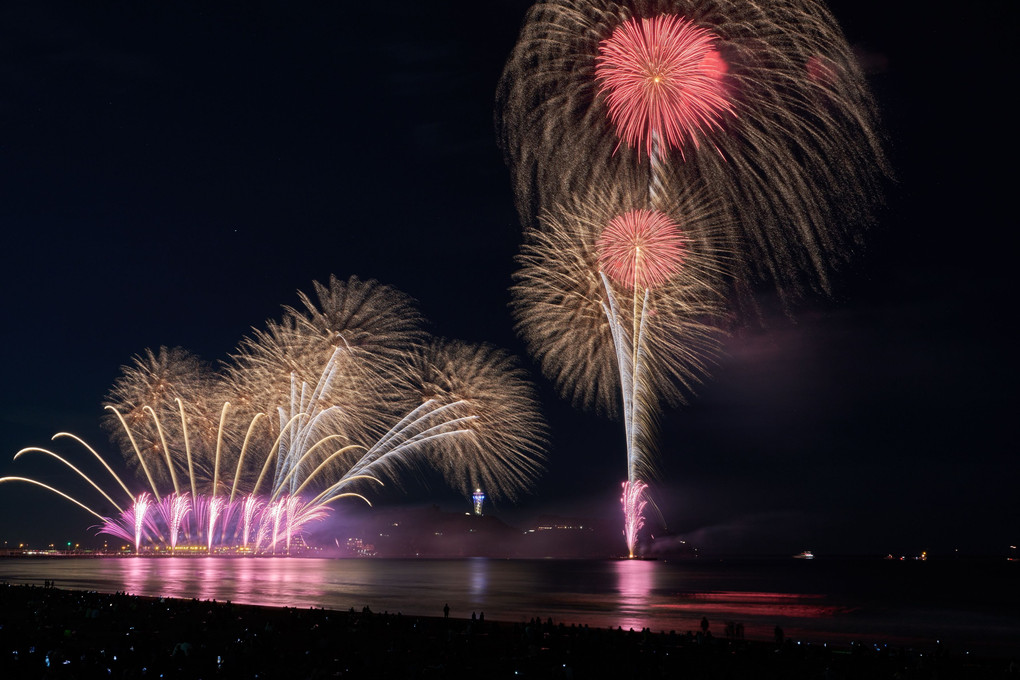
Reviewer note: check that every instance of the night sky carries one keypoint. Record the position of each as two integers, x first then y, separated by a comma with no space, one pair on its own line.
172,173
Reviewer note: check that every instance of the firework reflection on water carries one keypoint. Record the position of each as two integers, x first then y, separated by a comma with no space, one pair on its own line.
968,604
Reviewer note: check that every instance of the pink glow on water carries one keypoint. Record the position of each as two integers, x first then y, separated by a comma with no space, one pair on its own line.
635,582
662,78
663,595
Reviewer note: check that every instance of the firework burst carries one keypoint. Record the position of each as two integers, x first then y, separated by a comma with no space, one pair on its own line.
641,249
253,485
487,387
377,327
788,149
617,303
560,298
144,412
662,80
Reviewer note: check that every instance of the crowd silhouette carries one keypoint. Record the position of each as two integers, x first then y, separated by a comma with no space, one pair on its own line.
48,632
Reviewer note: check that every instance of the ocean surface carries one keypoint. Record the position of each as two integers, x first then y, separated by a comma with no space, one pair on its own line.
964,605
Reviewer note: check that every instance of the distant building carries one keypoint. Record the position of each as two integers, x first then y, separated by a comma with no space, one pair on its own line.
479,498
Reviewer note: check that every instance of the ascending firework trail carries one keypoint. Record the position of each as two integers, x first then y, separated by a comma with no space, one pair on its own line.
618,309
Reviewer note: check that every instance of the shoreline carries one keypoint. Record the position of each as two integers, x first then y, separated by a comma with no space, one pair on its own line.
92,634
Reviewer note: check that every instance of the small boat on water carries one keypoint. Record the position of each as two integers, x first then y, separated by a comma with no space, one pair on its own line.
805,555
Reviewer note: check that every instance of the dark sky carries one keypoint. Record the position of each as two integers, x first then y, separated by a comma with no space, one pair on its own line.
172,173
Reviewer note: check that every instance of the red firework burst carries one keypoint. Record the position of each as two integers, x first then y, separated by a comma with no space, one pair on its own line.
642,248
662,77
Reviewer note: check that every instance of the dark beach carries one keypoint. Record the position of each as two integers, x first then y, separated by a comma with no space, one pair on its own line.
54,633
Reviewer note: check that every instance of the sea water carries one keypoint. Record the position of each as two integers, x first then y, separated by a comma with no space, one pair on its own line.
958,604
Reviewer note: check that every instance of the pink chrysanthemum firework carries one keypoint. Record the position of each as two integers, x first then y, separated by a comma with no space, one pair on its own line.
641,248
662,78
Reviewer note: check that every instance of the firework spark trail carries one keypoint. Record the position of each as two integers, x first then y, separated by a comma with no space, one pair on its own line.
139,511
275,512
309,413
162,440
618,307
262,533
293,503
641,250
467,411
35,449
58,492
173,510
633,511
118,527
216,506
251,506
786,139
244,449
416,438
379,328
633,385
415,428
559,299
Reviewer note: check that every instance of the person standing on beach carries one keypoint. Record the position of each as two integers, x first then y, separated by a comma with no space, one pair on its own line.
446,611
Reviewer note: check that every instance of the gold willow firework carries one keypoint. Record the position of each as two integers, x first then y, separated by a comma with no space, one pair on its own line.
762,104
487,387
378,327
616,330
148,392
342,394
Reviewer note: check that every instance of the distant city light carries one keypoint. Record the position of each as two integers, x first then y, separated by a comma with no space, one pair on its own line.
479,498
